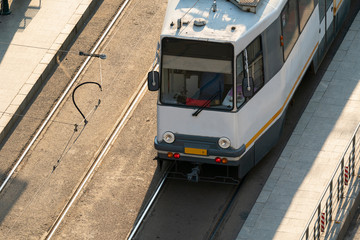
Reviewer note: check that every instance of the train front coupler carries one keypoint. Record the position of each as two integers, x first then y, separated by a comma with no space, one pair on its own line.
193,176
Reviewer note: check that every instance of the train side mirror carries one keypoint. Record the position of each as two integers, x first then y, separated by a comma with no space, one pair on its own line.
153,81
248,87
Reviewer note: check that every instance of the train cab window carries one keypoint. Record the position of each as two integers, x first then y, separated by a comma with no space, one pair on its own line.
255,69
197,83
195,73
306,7
290,27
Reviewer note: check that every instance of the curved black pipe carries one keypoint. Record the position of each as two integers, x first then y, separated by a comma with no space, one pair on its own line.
73,97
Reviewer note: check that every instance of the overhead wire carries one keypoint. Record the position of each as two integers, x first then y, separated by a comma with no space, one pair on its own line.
190,9
2,113
40,48
135,44
40,187
68,145
66,149
37,118
119,26
187,13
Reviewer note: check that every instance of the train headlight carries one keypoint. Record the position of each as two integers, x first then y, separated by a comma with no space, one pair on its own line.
169,137
224,142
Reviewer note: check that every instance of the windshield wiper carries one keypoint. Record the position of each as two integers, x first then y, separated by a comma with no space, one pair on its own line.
205,104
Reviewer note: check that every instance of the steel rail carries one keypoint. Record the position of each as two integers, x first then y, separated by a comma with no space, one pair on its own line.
148,206
216,227
224,213
61,99
146,210
109,142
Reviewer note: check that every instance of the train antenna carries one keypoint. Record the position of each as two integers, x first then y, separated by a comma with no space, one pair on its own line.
214,8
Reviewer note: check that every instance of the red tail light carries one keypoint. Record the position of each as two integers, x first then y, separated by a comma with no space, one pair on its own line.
177,155
218,160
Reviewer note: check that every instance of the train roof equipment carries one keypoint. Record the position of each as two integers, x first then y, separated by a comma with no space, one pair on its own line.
246,5
218,20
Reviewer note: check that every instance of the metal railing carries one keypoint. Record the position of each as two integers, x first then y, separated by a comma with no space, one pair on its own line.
342,183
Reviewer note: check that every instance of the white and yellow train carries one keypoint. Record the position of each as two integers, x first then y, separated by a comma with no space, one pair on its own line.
228,70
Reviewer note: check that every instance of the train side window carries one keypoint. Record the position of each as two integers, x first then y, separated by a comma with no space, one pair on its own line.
321,10
328,4
290,27
255,67
272,50
306,7
239,77
255,61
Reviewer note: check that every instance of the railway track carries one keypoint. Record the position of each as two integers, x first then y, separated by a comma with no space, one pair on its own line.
62,97
146,210
100,153
151,223
249,190
211,229
162,204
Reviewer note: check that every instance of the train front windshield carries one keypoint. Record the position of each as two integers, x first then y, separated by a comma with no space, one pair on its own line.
197,73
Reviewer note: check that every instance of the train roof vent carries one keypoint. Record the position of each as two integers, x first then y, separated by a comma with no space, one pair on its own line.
246,5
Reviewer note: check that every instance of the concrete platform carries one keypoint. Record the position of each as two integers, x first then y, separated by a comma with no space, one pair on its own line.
30,38
307,163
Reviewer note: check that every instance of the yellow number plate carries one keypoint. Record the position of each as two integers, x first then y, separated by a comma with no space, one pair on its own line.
196,151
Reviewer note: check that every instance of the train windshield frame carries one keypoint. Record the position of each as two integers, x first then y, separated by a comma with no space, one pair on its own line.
197,73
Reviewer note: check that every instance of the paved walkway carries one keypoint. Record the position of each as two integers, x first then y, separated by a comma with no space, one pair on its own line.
30,37
295,185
